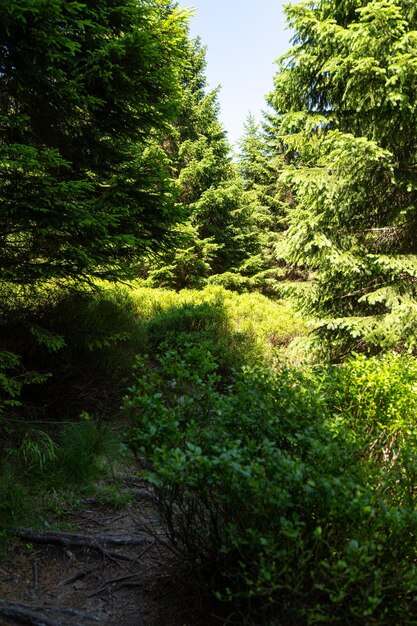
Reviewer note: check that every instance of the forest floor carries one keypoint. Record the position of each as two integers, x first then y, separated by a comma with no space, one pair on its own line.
133,585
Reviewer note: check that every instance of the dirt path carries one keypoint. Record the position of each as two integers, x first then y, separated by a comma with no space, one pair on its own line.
83,586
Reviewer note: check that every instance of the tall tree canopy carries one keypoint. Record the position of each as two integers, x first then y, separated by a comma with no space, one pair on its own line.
261,162
346,116
215,233
84,87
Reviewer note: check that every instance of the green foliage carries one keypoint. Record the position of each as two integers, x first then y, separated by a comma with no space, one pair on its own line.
41,467
35,451
250,277
83,446
262,327
205,327
86,90
260,164
216,231
377,394
82,343
375,403
345,118
189,262
266,489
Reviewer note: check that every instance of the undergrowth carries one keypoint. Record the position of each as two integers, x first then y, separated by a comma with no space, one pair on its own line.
289,493
65,352
43,471
288,488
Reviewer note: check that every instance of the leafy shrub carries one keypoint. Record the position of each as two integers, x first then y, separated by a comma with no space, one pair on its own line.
377,394
267,281
261,326
233,281
205,326
265,495
375,403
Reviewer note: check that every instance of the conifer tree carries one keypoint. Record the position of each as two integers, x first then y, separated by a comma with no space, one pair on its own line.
260,164
84,87
346,117
215,234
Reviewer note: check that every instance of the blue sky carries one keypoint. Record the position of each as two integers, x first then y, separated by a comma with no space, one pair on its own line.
243,38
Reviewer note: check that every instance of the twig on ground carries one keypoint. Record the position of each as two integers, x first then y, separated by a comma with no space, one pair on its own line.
80,574
109,582
95,542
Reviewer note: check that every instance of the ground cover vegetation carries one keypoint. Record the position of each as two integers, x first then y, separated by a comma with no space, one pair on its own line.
258,366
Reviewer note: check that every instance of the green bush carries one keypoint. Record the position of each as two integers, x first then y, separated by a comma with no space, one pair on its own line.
261,489
268,282
208,328
375,403
261,326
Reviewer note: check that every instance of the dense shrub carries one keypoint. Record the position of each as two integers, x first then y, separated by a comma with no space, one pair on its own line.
264,327
375,405
267,492
204,325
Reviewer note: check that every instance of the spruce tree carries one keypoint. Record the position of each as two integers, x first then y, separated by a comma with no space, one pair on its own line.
346,117
260,164
215,234
84,88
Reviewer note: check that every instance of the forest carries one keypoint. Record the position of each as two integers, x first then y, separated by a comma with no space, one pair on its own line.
236,334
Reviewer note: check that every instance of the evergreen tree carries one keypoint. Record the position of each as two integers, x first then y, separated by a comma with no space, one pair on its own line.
346,116
215,234
260,164
84,87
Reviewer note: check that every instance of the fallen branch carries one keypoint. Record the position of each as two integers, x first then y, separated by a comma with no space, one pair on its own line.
72,579
110,582
25,614
80,540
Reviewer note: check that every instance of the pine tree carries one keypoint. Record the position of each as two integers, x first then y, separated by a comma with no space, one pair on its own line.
346,115
260,164
84,87
215,234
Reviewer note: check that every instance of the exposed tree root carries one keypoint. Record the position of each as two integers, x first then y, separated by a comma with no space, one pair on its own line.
80,540
25,614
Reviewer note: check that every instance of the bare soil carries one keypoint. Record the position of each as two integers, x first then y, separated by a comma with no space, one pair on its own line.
80,586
